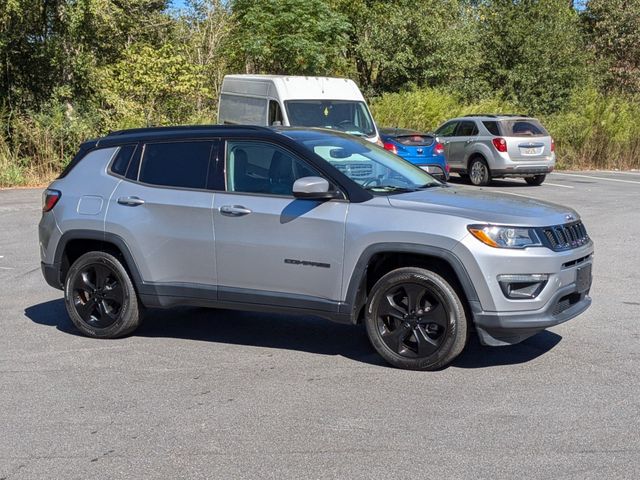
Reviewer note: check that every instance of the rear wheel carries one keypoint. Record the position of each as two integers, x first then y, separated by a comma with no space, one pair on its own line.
535,180
100,297
479,173
415,320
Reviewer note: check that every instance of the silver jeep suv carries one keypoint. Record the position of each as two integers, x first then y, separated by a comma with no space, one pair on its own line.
482,147
305,221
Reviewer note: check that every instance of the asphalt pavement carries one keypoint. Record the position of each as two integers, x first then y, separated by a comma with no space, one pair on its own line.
198,393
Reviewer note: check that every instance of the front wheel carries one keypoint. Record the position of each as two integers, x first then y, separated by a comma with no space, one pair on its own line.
535,180
100,297
415,319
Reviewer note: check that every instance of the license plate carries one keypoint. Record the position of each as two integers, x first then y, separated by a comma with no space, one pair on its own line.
583,278
530,151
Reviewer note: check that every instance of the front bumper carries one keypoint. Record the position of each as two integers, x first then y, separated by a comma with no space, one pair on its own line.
497,329
504,321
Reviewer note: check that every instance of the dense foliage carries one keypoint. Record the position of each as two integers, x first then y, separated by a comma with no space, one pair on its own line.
72,69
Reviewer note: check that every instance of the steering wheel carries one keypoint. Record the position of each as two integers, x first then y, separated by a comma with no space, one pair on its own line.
346,124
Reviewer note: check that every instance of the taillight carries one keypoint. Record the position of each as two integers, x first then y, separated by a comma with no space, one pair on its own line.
553,145
49,199
439,149
391,147
447,168
500,144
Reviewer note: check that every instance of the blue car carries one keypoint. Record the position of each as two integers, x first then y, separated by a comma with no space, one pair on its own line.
421,149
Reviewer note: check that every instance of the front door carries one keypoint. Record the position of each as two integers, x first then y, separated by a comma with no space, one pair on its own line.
271,247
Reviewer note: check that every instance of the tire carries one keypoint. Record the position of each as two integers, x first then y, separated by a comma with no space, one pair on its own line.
429,339
535,180
479,172
100,297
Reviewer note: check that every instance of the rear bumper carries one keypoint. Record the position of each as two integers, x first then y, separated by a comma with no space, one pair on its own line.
51,274
496,329
522,170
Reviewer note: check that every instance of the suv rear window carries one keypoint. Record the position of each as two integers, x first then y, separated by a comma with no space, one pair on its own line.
178,164
493,127
121,162
523,128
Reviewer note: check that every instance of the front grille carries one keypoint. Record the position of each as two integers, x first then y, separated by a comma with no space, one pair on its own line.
565,237
355,170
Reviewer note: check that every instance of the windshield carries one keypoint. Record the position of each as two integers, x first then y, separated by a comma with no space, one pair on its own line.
346,116
372,167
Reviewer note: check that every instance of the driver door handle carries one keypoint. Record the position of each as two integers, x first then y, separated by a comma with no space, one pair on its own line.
234,211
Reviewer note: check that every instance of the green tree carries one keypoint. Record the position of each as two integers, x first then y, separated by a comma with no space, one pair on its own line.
533,52
393,45
304,37
613,29
153,85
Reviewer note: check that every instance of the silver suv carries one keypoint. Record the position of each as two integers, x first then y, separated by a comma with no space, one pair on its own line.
482,147
305,221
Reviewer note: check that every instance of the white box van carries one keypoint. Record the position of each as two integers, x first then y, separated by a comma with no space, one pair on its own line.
334,103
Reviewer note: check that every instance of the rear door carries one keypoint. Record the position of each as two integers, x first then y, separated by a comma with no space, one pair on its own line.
163,212
271,247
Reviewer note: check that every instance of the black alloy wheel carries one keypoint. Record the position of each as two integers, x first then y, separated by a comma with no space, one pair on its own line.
412,320
415,319
100,297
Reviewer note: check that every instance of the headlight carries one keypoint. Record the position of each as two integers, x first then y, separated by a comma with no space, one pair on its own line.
505,237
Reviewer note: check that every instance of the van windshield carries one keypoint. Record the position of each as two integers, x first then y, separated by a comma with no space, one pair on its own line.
346,116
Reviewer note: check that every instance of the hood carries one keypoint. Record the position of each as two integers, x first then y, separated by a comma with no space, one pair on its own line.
485,207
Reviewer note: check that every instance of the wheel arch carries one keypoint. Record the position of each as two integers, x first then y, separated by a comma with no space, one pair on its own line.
75,243
378,259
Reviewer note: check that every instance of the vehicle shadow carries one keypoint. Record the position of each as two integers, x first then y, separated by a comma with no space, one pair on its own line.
307,334
500,182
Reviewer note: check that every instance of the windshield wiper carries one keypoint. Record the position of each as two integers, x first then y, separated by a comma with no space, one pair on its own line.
391,188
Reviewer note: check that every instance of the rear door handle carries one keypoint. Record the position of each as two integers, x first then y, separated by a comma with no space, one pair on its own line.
130,201
234,211
469,141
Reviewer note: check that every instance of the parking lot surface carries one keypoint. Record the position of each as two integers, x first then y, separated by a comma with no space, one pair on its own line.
198,393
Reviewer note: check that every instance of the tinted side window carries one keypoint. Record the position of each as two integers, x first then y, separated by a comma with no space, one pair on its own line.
492,127
447,130
467,129
121,162
260,167
177,164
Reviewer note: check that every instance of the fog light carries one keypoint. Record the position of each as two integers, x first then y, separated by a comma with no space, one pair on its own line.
523,286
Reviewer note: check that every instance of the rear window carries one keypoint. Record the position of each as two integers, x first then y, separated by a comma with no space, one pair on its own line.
121,162
467,129
523,128
179,164
493,127
415,140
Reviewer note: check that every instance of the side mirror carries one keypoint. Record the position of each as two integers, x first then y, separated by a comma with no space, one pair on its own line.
314,188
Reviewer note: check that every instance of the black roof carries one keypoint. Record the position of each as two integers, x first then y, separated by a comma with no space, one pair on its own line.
181,131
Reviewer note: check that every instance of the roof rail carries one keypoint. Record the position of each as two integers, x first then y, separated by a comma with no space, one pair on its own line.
495,115
180,128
